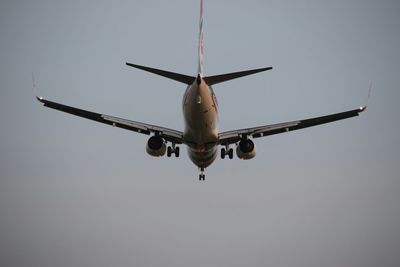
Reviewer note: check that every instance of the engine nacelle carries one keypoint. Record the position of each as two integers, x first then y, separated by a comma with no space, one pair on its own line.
156,146
246,149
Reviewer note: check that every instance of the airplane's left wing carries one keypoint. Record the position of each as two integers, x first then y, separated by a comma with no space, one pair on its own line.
230,137
139,127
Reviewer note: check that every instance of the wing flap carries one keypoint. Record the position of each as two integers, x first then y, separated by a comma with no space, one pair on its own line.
168,134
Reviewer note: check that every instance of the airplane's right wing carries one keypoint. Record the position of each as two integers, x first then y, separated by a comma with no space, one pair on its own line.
235,136
171,135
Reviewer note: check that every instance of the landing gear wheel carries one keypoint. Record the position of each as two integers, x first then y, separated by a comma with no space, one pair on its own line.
173,150
226,152
169,152
230,153
202,176
223,153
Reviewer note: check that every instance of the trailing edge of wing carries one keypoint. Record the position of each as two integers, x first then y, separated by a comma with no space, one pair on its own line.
255,132
143,128
171,75
168,134
211,80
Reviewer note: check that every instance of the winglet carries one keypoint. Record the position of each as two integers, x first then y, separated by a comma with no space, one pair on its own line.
40,99
34,90
369,93
368,97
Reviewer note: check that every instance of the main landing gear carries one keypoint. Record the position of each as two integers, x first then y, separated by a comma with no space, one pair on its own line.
202,176
226,152
173,150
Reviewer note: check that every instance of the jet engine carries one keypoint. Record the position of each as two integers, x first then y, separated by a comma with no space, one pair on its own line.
156,146
245,149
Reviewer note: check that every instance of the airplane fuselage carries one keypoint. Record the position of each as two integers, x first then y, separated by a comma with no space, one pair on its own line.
200,111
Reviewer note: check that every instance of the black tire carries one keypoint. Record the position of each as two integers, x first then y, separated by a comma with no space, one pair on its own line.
230,153
177,152
223,153
169,152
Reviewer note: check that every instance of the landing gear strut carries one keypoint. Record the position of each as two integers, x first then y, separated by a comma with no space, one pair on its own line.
173,150
202,176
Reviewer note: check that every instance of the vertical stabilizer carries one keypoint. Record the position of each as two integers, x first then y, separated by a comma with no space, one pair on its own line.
201,42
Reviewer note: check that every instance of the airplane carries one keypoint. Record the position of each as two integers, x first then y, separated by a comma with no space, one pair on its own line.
200,111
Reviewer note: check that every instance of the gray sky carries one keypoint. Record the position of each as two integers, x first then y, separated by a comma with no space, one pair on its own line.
78,193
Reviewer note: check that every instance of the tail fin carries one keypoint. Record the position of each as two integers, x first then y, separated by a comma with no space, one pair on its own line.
210,80
201,42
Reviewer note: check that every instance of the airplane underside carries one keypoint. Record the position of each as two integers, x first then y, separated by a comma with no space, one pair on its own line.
203,159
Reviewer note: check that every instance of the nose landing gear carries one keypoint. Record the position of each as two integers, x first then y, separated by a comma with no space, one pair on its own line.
202,176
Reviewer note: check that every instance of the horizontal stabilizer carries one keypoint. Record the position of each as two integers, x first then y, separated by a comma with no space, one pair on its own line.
211,80
171,75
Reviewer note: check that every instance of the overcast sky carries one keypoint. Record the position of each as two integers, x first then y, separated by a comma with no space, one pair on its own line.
78,193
